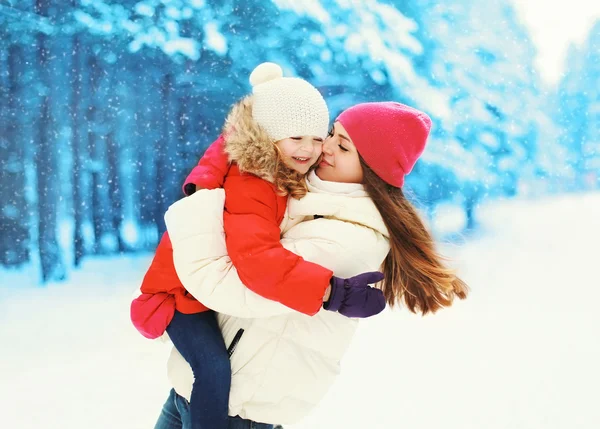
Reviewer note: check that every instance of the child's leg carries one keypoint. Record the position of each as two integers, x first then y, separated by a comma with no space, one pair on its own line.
198,338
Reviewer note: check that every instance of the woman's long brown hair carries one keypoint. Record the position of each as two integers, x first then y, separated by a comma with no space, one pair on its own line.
414,271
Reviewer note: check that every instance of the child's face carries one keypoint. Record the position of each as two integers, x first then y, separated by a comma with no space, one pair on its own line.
300,153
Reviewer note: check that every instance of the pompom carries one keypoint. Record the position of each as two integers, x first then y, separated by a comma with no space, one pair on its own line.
265,72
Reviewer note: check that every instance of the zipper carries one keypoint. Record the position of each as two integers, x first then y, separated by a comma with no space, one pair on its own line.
234,343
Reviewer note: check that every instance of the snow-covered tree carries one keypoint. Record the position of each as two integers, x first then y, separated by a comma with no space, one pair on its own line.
131,92
481,64
577,111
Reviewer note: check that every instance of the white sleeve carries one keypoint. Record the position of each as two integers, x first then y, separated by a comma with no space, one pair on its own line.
195,226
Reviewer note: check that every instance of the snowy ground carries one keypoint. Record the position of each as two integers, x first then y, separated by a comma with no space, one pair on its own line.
521,352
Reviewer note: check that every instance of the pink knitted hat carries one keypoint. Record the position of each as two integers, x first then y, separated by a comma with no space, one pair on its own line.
388,135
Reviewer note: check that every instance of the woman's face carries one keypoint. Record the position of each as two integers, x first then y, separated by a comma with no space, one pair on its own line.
300,153
340,162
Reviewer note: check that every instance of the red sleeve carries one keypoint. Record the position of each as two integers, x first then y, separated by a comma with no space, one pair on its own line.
253,243
161,276
211,169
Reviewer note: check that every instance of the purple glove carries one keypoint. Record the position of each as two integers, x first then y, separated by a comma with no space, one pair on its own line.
353,297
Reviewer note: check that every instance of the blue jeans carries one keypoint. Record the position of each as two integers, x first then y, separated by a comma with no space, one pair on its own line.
175,414
198,338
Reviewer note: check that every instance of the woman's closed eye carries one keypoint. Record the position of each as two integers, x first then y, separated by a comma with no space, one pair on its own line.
342,148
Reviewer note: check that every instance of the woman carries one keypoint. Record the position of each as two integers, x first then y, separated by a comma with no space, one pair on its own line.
354,219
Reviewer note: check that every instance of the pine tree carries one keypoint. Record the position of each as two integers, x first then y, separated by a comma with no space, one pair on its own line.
14,207
52,265
481,64
577,111
77,149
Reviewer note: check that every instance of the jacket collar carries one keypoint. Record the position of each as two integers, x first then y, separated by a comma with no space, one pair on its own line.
247,144
348,202
315,184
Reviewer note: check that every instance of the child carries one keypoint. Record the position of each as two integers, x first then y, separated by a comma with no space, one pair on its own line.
272,138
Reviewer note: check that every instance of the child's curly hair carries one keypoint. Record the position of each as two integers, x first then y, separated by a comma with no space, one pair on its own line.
287,180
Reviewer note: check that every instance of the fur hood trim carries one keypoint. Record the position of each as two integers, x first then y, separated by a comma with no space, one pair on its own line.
248,144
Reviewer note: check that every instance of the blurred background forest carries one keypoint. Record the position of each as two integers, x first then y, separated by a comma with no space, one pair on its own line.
105,106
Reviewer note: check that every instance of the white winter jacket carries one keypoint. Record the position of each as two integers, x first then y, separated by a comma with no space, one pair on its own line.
283,361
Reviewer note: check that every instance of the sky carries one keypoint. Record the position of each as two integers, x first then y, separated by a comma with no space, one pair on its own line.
553,26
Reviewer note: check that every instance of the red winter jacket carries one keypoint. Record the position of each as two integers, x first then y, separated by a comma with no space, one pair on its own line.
253,212
162,291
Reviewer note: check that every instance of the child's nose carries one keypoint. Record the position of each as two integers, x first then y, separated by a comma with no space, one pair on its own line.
308,145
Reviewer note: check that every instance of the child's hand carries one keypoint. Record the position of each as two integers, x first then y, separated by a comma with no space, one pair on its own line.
189,189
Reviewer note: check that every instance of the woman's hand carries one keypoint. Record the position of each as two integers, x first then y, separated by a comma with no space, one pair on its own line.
353,297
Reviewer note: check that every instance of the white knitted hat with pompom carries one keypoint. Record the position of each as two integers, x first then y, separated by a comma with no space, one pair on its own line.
287,106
